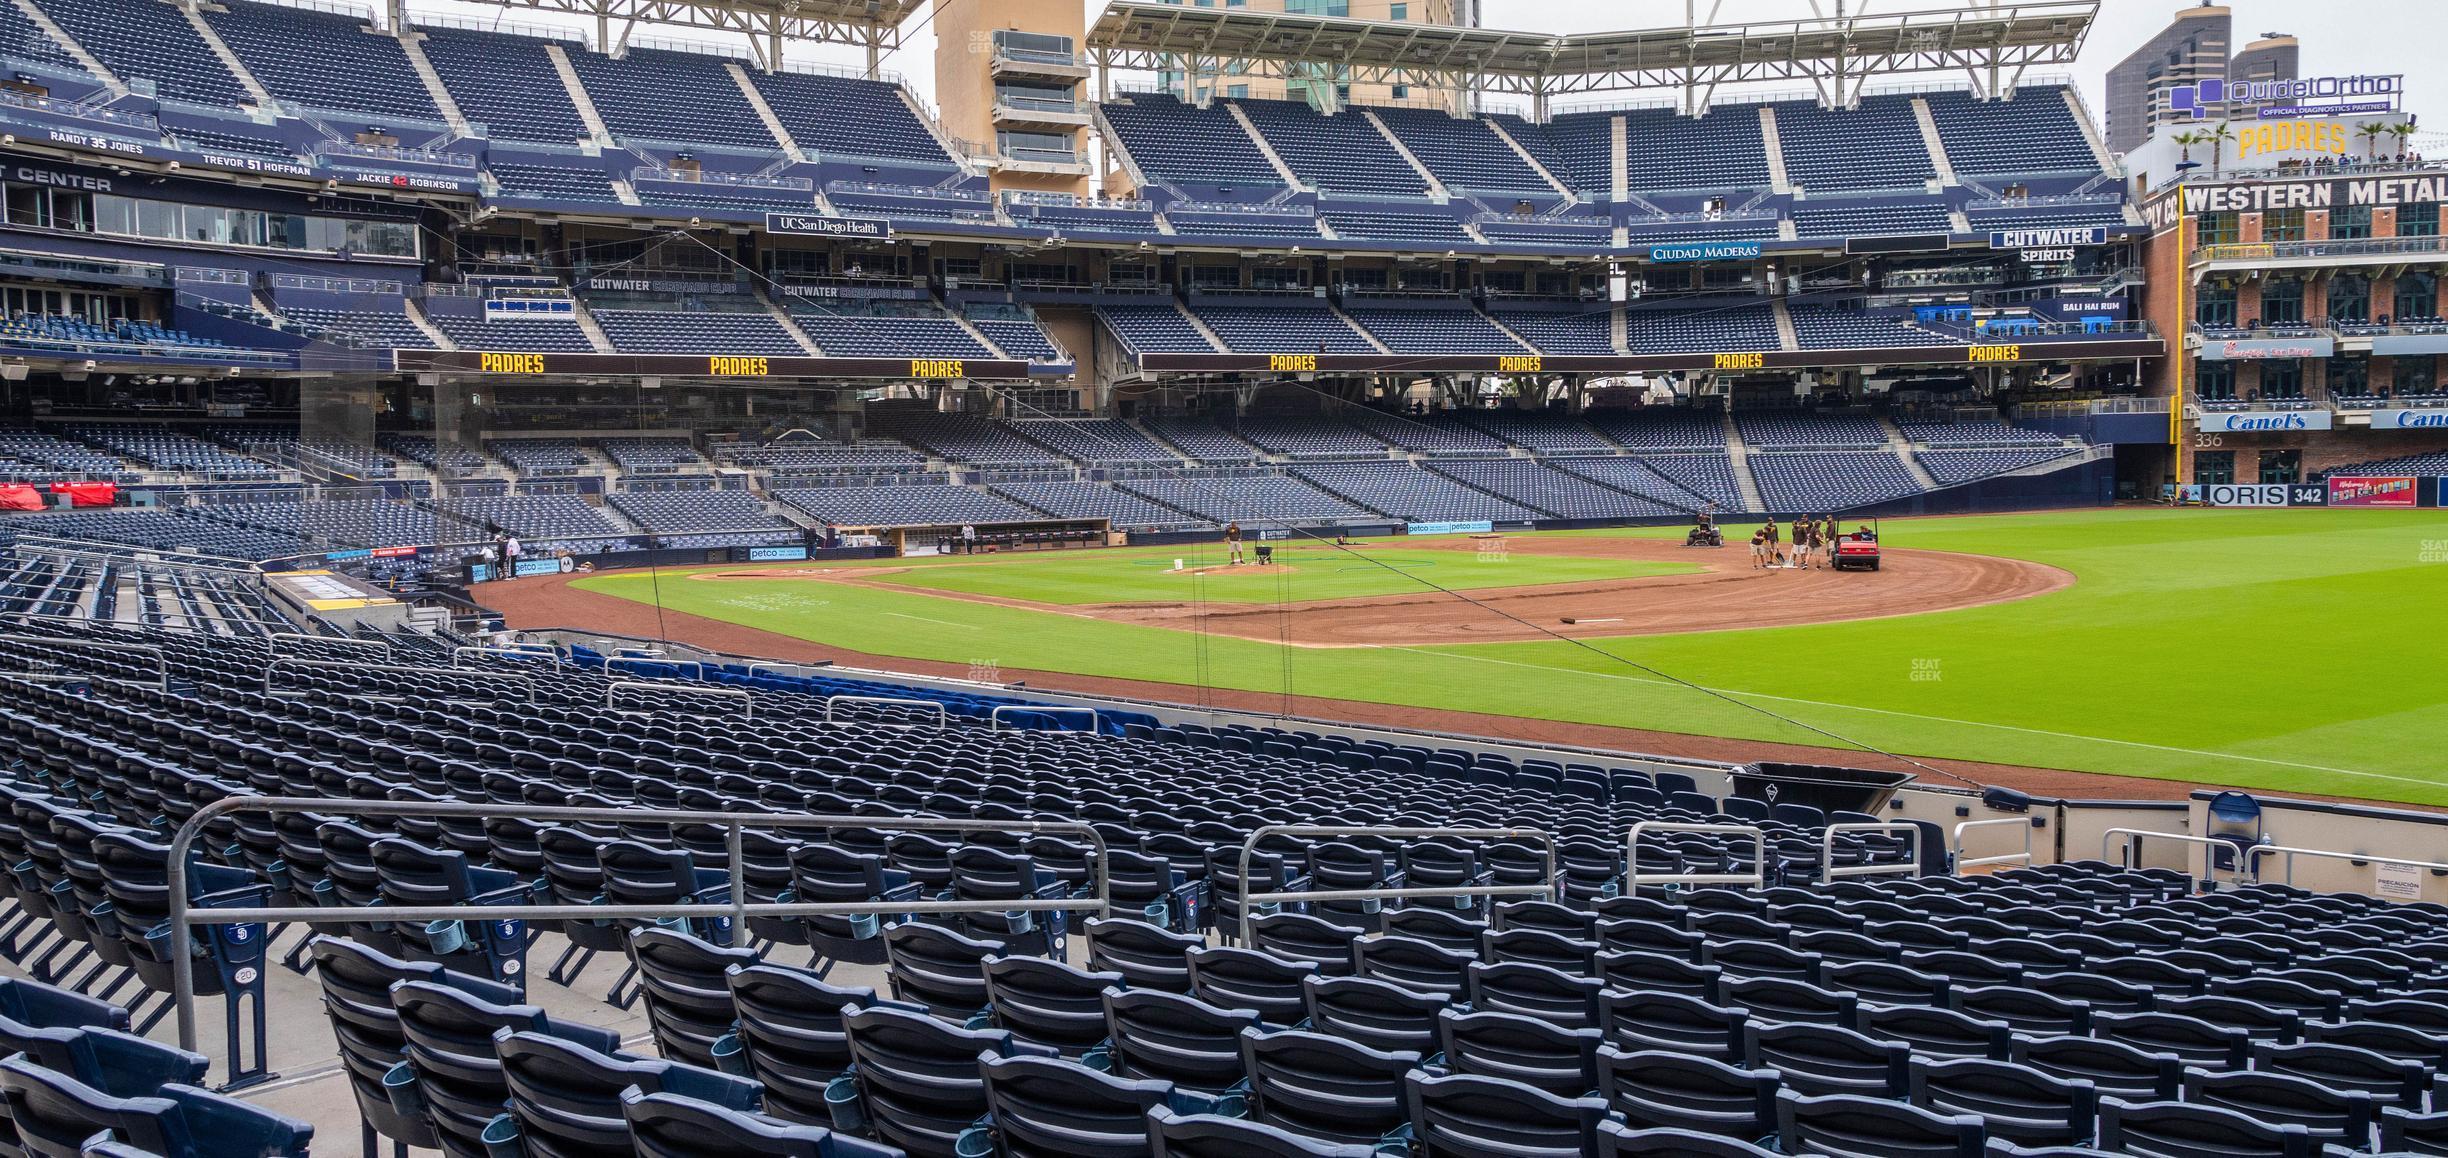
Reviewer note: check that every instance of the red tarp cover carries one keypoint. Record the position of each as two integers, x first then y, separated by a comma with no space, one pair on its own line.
88,494
20,497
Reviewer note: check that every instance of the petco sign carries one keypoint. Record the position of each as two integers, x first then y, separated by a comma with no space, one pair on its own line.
2263,421
2410,420
2308,96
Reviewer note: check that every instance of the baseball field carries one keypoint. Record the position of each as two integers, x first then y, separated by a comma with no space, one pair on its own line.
2291,651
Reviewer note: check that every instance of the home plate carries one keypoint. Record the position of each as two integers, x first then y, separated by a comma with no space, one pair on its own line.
1569,619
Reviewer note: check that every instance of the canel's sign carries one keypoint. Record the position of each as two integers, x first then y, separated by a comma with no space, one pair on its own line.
2409,420
2263,421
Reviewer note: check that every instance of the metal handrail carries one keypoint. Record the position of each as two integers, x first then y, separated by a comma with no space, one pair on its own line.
180,918
161,659
275,639
1096,719
1757,877
281,661
1250,900
2253,854
942,718
505,651
613,689
2023,857
2133,844
1827,851
610,661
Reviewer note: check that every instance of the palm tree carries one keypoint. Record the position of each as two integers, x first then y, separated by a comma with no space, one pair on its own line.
2401,130
2184,146
2217,139
2371,131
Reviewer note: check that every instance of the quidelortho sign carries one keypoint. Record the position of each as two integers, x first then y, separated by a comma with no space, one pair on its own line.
2401,419
2266,349
2263,421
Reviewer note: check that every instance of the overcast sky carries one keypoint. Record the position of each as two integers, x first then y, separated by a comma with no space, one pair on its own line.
2339,36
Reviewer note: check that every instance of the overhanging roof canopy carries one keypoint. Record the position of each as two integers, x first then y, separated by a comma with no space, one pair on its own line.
866,22
2012,35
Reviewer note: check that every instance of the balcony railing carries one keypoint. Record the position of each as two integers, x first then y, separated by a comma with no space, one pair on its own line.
394,154
138,122
733,180
1006,54
1033,104
2297,250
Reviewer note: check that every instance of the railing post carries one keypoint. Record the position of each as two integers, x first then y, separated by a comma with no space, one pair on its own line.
2023,857
1250,900
1827,851
732,841
1634,878
182,917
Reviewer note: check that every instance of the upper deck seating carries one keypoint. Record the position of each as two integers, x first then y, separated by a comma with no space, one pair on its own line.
1341,154
1181,143
323,60
1875,146
2035,132
152,41
506,83
1463,152
673,98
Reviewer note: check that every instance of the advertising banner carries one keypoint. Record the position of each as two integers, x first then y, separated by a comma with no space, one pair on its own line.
2245,494
1705,251
2398,418
776,554
1480,527
2410,344
2307,494
2263,421
2267,349
817,224
2371,491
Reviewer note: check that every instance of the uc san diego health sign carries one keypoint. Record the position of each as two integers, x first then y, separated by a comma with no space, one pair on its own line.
2263,421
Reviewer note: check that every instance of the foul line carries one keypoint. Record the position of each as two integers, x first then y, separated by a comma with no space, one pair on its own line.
1934,719
924,619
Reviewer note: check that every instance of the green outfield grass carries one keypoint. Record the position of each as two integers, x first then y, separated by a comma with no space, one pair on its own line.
1146,575
2281,650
